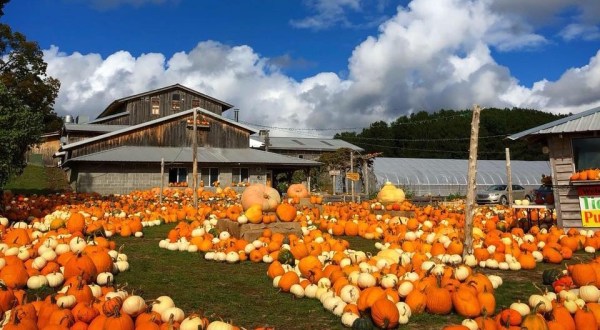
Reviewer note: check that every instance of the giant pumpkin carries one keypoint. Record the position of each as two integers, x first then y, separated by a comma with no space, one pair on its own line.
260,194
390,194
297,190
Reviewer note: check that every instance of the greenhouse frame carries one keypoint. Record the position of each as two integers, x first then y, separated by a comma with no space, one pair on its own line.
444,177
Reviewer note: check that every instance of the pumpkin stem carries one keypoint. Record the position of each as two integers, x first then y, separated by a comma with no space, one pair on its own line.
539,289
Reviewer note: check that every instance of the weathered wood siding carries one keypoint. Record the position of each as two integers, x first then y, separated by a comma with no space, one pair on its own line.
565,195
140,109
173,133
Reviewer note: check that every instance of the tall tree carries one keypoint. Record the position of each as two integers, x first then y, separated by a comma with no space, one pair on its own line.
27,97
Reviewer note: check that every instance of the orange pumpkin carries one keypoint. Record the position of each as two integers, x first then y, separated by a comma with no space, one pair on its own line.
286,212
384,314
297,190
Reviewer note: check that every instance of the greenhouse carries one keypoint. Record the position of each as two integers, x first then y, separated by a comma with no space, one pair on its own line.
443,177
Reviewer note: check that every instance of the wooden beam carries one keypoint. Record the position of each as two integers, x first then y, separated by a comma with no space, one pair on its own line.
471,182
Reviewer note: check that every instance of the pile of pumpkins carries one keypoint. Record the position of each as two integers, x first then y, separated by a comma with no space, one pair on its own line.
585,175
572,303
81,269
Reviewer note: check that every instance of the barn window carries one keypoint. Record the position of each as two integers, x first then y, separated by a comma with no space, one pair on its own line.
585,153
210,176
239,174
176,102
178,175
195,103
155,105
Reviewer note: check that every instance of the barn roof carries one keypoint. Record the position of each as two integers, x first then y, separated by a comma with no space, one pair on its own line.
98,128
236,156
585,121
116,103
315,144
154,122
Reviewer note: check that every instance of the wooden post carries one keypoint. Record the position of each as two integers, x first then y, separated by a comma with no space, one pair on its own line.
333,185
366,176
162,180
195,159
471,182
509,178
352,170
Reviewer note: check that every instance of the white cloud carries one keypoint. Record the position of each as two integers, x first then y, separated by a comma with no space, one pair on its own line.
580,31
582,16
431,55
330,13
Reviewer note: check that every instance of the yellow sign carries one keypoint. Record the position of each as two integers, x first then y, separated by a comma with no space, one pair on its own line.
352,176
590,210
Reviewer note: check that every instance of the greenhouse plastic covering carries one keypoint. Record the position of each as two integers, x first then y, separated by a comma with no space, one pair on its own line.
443,177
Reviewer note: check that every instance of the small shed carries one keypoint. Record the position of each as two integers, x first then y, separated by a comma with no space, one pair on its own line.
572,144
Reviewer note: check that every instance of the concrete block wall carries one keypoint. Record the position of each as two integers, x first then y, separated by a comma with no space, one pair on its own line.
123,178
118,178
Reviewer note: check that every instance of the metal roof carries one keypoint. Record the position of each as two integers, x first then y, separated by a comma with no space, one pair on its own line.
153,122
116,115
419,171
296,143
585,121
189,90
235,156
100,128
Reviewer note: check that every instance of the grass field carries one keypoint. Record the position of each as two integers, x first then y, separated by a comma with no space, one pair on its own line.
38,180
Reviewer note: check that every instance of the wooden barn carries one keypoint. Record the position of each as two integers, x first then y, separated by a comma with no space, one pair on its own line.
572,144
155,128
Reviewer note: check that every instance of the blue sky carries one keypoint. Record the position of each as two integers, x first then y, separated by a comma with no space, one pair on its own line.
345,63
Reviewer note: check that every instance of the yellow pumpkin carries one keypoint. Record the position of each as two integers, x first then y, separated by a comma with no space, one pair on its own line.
254,213
390,194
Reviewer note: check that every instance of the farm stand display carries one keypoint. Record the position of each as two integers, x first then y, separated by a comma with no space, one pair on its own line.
418,265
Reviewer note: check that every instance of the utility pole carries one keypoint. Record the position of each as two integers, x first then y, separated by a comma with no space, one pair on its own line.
162,179
471,182
509,178
352,171
267,140
195,158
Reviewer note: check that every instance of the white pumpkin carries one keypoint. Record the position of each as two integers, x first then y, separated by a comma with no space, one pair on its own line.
174,313
219,325
55,279
348,319
66,301
366,280
589,293
161,303
134,305
297,290
349,293
77,244
36,281
521,308
192,322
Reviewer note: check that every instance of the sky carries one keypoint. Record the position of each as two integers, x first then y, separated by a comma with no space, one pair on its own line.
317,67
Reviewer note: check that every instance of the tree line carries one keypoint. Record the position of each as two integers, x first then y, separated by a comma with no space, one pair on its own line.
445,134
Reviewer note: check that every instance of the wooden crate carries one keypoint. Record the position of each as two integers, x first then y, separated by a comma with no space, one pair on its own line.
251,231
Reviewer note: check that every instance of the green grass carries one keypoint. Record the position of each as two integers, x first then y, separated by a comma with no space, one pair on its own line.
38,180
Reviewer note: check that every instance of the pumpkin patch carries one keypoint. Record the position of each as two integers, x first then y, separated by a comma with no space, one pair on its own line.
420,265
